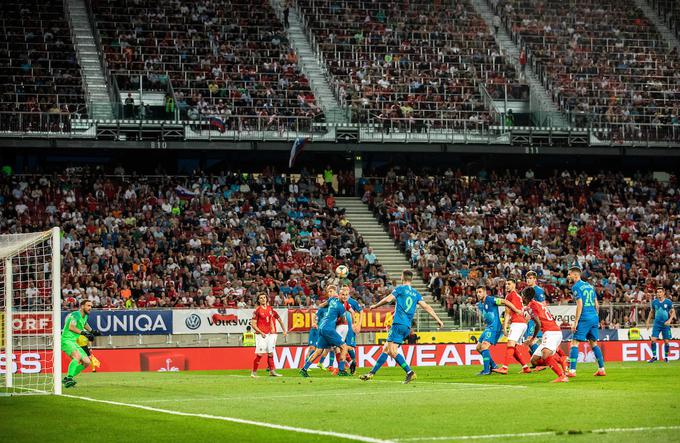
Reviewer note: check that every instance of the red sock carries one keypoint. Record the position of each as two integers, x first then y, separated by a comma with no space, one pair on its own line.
561,353
540,362
337,357
256,362
348,359
555,366
519,357
270,362
508,354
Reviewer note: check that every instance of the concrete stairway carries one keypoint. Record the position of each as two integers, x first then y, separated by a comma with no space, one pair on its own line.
94,81
669,37
392,259
511,52
310,66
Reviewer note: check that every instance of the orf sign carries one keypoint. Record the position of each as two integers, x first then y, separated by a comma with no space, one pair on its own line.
35,323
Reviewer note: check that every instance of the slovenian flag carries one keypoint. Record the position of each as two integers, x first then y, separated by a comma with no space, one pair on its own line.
217,123
184,193
296,150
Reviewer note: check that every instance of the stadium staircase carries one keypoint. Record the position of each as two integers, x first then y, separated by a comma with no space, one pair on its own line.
666,33
94,80
310,66
511,52
393,260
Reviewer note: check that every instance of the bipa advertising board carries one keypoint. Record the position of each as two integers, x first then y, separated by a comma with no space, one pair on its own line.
216,321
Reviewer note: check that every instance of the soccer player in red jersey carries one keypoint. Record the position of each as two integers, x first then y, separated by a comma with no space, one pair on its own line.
552,336
514,327
263,322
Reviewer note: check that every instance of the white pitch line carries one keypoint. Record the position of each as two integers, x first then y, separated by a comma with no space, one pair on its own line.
316,395
538,434
236,420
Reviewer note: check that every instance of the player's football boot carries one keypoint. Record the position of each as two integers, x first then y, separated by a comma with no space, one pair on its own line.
69,382
366,377
652,360
342,374
665,360
410,376
304,373
570,374
322,366
273,373
502,370
600,373
484,373
253,374
353,367
525,370
334,371
562,379
539,368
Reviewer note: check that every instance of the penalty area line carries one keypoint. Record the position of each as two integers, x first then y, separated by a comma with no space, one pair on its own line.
235,420
540,434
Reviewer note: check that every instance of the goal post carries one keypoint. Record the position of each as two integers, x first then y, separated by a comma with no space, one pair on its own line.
30,310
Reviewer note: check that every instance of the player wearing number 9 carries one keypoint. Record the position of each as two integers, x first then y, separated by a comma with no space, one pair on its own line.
586,324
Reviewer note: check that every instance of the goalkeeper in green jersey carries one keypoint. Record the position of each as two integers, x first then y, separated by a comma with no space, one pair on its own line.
76,325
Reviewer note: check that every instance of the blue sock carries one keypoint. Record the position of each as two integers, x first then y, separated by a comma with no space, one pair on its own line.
598,355
352,354
331,359
341,365
666,349
533,348
378,364
491,362
401,361
573,357
654,349
308,363
486,358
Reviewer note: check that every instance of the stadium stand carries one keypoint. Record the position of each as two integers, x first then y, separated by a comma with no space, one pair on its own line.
40,80
203,241
222,59
605,64
411,65
458,229
669,11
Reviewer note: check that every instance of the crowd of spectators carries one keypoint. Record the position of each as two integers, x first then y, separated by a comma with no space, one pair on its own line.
459,230
415,62
223,58
669,12
199,241
40,81
603,62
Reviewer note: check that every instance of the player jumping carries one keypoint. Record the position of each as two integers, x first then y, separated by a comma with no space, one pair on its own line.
552,336
328,336
517,327
488,305
587,321
76,325
539,297
664,314
407,300
265,338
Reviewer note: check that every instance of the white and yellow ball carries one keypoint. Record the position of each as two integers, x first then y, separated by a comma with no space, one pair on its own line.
342,271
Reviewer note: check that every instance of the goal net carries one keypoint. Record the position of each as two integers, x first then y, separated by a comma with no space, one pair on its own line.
30,309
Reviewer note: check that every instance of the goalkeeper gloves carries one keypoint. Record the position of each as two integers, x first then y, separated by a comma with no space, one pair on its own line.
95,333
87,334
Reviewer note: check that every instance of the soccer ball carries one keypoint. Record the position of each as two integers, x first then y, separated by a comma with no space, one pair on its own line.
342,271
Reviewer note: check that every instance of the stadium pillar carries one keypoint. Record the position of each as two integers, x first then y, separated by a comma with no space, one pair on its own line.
358,170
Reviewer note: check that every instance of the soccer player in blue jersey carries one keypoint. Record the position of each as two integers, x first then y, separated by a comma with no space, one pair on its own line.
353,327
328,336
664,314
587,323
488,305
314,330
539,296
406,299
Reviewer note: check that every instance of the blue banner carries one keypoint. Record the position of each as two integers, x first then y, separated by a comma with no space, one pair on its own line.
149,322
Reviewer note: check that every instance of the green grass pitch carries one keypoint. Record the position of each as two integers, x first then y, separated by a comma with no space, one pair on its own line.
443,404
